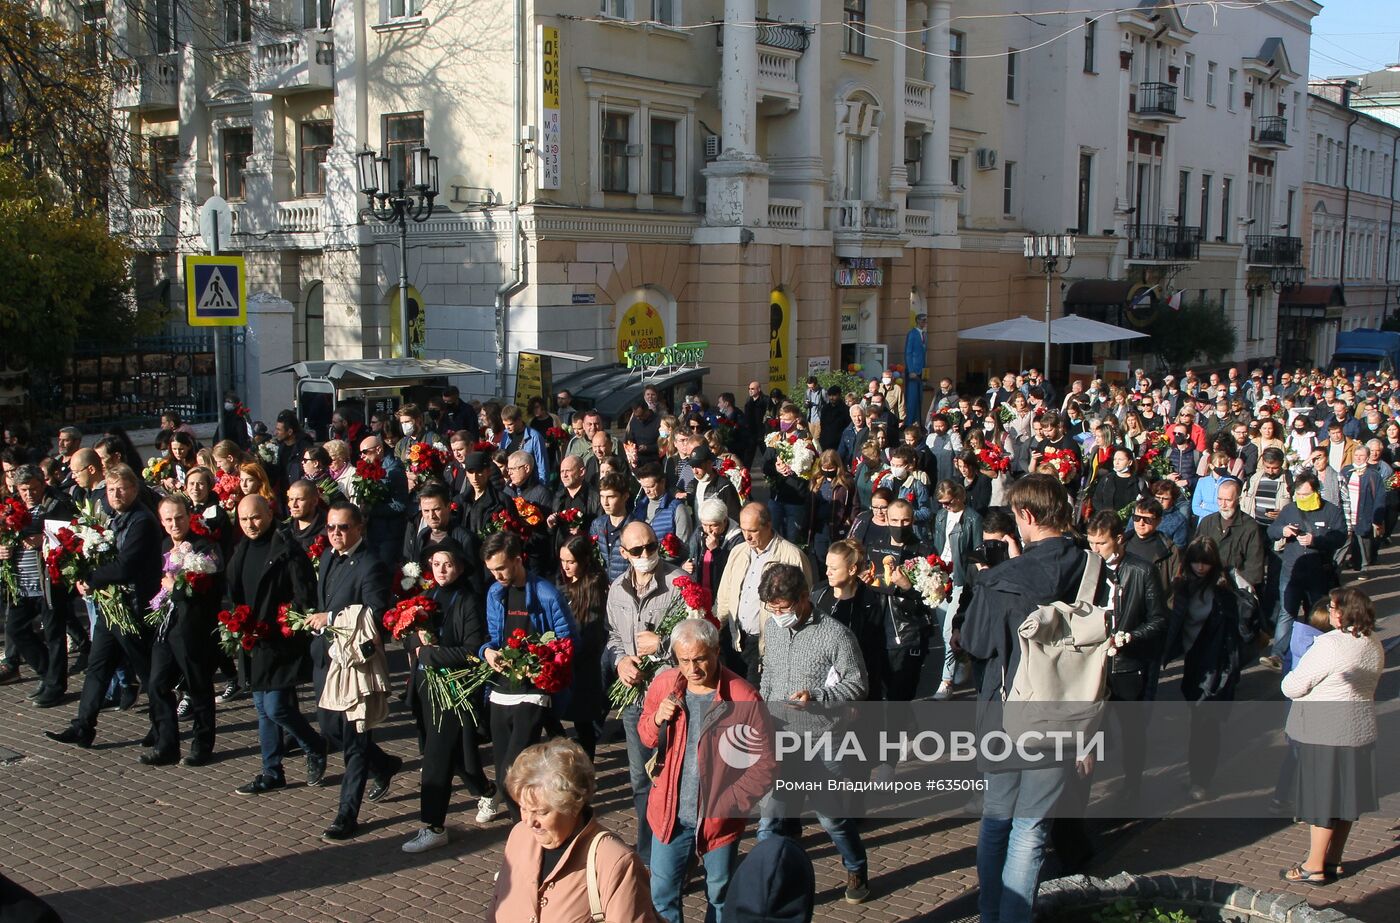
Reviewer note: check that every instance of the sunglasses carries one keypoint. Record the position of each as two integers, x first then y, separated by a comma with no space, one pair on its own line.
876,509
638,551
337,528
1137,518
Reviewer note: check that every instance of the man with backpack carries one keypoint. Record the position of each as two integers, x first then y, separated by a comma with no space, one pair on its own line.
1020,794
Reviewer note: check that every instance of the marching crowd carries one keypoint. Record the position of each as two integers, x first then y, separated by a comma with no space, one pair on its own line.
1220,510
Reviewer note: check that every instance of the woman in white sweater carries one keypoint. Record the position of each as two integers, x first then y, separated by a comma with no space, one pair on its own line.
1334,722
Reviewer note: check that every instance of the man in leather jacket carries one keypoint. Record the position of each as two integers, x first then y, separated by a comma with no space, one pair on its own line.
904,616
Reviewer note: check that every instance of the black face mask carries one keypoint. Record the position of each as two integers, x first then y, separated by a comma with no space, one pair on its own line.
1182,439
902,534
1223,472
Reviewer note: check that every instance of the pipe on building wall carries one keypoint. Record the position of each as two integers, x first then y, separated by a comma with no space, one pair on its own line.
1346,187
1390,222
512,283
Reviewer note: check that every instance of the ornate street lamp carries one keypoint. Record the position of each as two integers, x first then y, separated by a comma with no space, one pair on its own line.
396,203
1049,249
1285,278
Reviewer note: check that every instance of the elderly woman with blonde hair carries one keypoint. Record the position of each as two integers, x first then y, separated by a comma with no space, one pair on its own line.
551,852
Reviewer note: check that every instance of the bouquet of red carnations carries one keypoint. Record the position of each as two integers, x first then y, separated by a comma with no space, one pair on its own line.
409,615
693,601
571,518
1064,462
228,490
672,548
14,519
367,485
239,630
291,622
556,438
738,476
993,459
204,525
543,661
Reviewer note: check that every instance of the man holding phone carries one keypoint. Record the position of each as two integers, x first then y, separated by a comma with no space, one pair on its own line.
1308,533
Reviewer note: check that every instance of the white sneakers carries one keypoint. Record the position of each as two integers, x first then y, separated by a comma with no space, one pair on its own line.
426,839
945,692
488,809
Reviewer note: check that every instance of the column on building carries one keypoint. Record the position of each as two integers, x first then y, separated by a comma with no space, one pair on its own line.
269,171
899,173
737,182
349,124
934,191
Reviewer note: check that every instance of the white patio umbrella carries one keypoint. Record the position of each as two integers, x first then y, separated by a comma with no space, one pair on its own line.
1068,329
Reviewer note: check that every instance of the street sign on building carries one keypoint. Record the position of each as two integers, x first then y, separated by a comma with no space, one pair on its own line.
216,291
548,148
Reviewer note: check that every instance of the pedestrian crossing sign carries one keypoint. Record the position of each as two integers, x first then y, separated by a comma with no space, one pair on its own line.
216,291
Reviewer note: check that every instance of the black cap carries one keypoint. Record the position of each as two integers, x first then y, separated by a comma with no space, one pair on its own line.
701,454
449,545
476,461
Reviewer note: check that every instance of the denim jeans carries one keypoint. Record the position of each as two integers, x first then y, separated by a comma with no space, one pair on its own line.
946,610
637,756
783,817
1011,842
278,715
669,864
1293,595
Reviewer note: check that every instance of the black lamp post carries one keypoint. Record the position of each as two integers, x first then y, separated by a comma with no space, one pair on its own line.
396,204
1049,249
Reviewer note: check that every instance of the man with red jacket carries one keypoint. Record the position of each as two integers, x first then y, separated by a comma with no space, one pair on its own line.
680,705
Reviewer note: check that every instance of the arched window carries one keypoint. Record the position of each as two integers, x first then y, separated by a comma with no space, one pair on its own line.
859,121
312,335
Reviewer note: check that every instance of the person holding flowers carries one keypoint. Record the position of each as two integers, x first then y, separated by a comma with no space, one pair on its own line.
584,583
454,632
134,573
269,570
40,600
436,526
518,602
183,615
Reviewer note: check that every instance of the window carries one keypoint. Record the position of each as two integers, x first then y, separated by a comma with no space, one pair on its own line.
616,8
1251,323
238,21
1008,180
316,14
617,131
1082,216
1296,116
403,9
1188,77
1090,29
957,61
315,318
1210,83
237,147
95,33
663,157
955,176
315,144
402,133
163,154
1206,181
1225,209
1288,215
855,167
1183,193
855,27
162,25
1230,89
666,11
1011,75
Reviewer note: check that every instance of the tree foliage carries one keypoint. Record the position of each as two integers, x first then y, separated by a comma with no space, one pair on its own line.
65,275
1199,332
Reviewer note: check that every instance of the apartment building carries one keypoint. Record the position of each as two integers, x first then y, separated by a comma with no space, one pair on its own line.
789,180
1350,229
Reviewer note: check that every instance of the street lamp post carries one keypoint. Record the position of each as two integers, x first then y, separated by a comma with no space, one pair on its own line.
1049,249
396,204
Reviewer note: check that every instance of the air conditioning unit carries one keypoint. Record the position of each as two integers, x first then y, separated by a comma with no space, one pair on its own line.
712,147
986,158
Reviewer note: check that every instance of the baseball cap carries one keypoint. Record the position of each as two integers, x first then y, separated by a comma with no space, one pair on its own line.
701,454
476,461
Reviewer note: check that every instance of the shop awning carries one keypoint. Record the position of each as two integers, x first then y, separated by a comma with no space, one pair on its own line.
1101,292
1314,296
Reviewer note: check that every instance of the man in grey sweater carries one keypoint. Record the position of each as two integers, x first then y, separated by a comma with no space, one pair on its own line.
808,657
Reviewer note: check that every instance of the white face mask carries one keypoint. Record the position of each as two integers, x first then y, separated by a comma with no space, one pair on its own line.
646,565
898,472
988,425
786,620
664,433
408,429
228,405
885,380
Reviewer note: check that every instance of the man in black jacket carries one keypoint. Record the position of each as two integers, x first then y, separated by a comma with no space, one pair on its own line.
269,570
905,618
135,571
435,525
349,575
835,417
184,646
1019,795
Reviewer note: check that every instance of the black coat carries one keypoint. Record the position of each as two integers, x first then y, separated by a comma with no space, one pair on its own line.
220,526
459,628
1212,668
1139,608
276,663
138,562
346,580
194,619
835,417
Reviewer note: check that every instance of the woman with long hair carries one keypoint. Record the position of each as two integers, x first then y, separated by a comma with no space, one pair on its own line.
228,457
180,459
488,421
831,504
1134,432
584,583
870,462
252,478
1270,435
967,473
1333,721
1208,628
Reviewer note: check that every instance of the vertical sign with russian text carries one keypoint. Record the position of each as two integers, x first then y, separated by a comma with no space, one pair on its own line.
547,149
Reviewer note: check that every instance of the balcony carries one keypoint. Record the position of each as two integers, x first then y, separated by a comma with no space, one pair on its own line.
1156,101
300,216
862,218
785,214
918,101
150,82
918,224
780,47
154,228
294,64
1265,250
1271,131
1163,243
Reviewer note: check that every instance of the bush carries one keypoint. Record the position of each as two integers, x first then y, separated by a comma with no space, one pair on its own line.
1125,910
846,381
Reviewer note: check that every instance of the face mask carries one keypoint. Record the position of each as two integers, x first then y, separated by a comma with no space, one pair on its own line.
664,434
1182,439
988,425
885,380
898,472
1222,472
647,564
902,534
408,429
785,426
1309,504
228,405
786,620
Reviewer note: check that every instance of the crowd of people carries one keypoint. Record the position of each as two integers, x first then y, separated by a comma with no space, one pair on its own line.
1221,512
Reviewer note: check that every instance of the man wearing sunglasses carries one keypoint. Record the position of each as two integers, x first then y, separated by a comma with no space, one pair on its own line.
637,603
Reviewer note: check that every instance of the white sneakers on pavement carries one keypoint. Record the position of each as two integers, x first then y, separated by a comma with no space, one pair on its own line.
427,839
488,809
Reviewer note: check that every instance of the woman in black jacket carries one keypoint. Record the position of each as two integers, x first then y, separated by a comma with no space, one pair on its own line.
1117,486
849,599
584,583
456,633
831,504
1208,628
978,485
